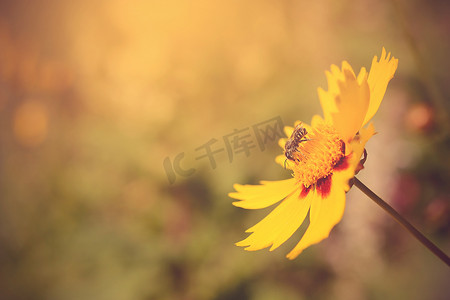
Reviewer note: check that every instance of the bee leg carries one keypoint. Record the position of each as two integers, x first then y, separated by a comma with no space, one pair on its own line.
305,140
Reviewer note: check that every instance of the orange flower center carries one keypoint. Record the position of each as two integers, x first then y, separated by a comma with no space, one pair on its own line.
316,157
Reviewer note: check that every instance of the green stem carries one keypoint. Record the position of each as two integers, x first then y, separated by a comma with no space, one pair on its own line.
417,234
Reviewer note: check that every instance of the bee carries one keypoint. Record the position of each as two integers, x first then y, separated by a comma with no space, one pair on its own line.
291,146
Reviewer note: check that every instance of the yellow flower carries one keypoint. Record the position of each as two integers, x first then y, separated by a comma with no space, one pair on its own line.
322,163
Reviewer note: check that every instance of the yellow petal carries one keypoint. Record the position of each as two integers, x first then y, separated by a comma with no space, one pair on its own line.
381,72
333,77
327,102
327,98
343,175
325,213
288,130
359,143
352,102
264,195
362,75
316,121
346,67
279,225
282,161
346,102
282,142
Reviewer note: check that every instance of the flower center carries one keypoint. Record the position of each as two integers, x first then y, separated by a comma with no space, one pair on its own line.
316,157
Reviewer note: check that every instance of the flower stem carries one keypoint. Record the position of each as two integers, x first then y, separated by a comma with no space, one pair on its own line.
417,234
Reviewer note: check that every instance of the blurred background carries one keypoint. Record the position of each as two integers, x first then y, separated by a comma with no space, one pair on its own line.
115,168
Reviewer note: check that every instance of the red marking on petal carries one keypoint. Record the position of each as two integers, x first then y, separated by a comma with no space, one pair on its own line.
323,186
342,147
305,191
342,164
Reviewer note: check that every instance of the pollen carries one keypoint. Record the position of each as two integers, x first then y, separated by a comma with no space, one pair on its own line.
316,157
